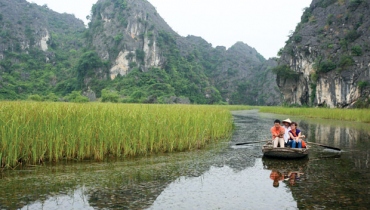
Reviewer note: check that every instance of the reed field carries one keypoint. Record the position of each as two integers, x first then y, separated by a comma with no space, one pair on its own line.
34,132
358,115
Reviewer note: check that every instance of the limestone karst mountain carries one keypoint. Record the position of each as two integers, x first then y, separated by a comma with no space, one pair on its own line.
127,51
326,61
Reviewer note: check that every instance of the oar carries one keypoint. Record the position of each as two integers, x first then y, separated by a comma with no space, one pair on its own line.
252,142
329,147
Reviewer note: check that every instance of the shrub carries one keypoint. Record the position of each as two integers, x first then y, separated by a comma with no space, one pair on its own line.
297,38
109,96
306,15
314,77
329,19
51,97
344,43
76,97
140,55
280,52
346,61
325,66
285,72
35,97
362,84
357,50
118,38
132,65
351,36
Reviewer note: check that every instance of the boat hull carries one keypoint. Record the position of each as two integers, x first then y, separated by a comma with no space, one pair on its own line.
286,153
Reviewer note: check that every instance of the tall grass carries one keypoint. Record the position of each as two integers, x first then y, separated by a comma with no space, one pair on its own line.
359,115
33,132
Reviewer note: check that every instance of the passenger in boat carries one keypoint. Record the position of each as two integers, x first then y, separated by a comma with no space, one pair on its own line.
295,136
277,132
276,176
286,125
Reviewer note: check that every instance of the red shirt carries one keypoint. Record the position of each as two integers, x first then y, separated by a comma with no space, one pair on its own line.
276,176
277,131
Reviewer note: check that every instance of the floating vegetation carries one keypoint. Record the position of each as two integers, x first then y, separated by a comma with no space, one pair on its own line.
34,132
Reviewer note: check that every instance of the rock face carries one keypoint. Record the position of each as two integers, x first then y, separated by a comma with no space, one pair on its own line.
132,34
124,32
38,50
130,50
327,58
26,25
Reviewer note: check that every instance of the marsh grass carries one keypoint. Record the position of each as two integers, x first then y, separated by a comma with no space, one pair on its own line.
34,132
358,115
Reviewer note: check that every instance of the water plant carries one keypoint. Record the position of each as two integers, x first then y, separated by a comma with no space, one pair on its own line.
34,132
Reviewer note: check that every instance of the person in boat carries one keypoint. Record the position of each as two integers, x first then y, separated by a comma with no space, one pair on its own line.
286,125
277,132
295,140
276,176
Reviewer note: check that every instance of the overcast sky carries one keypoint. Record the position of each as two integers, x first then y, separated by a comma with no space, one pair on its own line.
262,24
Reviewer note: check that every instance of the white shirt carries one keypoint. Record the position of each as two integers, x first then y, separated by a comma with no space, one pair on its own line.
286,134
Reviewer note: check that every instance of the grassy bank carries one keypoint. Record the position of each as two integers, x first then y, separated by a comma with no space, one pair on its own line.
33,132
231,107
359,115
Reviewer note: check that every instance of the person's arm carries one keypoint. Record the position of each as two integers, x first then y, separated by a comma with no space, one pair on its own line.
291,135
299,135
272,133
282,132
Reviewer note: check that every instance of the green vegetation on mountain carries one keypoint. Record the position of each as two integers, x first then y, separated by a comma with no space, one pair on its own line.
329,54
127,54
25,69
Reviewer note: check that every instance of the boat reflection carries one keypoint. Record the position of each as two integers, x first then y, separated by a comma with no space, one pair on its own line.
289,171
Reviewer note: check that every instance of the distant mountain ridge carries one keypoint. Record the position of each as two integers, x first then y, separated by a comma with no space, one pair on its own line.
132,32
129,51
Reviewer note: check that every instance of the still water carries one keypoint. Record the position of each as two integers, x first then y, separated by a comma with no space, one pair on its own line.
222,176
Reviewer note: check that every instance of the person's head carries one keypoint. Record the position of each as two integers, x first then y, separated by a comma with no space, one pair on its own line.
287,122
277,123
294,125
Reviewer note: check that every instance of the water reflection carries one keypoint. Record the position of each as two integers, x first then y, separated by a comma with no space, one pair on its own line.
276,176
290,172
223,188
221,176
75,199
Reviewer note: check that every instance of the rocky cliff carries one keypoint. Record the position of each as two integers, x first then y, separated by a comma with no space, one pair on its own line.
132,35
25,25
38,48
128,51
326,61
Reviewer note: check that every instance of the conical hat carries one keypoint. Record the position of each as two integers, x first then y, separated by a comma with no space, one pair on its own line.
287,120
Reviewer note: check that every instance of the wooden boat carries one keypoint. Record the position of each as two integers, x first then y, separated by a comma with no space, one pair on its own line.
286,152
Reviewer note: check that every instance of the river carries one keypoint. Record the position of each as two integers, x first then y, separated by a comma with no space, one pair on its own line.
221,176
